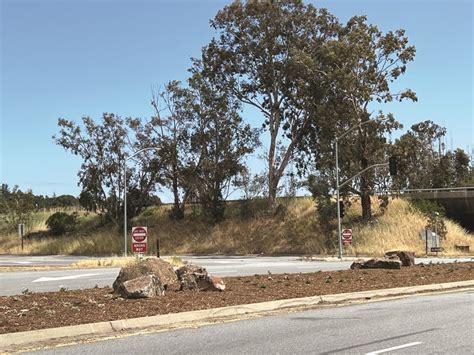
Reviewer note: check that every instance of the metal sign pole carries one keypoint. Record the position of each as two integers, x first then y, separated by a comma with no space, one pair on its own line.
426,240
339,236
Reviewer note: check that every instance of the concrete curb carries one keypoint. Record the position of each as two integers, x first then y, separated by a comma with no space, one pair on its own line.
112,327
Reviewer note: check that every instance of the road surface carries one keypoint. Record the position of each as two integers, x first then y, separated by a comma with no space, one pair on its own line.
435,324
52,280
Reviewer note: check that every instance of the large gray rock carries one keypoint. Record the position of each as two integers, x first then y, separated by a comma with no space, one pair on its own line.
160,269
195,277
148,286
406,257
377,263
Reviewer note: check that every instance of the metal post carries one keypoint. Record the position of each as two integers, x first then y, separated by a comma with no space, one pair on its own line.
125,208
158,247
426,240
338,206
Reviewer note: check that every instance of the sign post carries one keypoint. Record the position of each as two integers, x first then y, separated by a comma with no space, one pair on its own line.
21,233
346,237
139,239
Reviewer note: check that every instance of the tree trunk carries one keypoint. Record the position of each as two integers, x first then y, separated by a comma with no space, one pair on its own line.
365,200
272,192
178,209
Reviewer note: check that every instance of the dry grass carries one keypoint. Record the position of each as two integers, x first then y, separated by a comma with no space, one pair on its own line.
293,230
120,261
400,228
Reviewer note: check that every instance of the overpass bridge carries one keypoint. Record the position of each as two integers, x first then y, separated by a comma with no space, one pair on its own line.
458,202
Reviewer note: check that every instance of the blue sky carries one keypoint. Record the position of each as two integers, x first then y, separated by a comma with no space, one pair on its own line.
75,58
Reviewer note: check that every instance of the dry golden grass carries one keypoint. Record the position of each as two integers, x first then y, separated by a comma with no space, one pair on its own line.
120,261
293,230
400,228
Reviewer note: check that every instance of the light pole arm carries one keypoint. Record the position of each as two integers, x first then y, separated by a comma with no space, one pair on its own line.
353,128
338,186
361,172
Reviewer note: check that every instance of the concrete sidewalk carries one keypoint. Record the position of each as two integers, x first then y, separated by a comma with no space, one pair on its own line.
14,341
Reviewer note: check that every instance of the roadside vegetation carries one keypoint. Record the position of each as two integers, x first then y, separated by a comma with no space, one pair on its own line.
246,229
319,79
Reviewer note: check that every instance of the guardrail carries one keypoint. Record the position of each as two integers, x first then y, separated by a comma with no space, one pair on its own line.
467,188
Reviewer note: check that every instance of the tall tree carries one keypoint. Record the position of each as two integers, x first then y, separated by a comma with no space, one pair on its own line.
172,129
255,57
222,140
104,148
423,162
363,63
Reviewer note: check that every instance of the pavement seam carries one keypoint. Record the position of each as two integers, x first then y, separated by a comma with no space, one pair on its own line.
113,327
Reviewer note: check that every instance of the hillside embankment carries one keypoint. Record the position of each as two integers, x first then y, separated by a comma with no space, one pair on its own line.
247,229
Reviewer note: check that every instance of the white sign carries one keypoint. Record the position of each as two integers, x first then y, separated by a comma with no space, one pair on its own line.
21,230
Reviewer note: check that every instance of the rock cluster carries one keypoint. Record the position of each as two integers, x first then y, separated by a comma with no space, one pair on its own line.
151,278
393,259
195,277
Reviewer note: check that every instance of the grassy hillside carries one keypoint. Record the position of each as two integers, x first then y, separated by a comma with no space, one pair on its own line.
294,230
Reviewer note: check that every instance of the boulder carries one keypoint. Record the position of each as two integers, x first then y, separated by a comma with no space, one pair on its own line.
159,268
195,277
358,264
217,283
148,286
377,263
406,257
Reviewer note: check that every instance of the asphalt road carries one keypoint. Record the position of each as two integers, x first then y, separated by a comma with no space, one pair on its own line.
435,324
52,280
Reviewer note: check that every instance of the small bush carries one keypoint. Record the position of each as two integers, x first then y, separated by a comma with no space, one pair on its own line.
61,222
427,207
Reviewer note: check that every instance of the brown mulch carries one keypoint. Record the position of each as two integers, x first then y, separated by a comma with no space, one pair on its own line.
56,309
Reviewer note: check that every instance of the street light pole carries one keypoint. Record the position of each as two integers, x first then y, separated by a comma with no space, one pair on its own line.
337,181
338,204
125,197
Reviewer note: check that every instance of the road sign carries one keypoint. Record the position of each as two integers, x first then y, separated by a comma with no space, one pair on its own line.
347,236
436,249
139,239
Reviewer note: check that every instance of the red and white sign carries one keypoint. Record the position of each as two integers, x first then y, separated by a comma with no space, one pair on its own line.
347,236
139,239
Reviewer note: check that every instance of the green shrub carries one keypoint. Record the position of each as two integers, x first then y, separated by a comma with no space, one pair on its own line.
427,207
61,222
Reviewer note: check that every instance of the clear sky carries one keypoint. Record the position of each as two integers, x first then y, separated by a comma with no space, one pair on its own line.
71,58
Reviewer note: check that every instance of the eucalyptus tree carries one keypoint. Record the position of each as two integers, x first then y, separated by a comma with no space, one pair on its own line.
423,162
104,148
256,58
221,139
360,67
202,141
171,129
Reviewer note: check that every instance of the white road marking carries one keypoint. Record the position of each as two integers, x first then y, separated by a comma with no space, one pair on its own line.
72,277
221,271
394,348
22,262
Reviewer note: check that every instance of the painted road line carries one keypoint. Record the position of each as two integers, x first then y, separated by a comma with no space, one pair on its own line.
72,277
394,348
